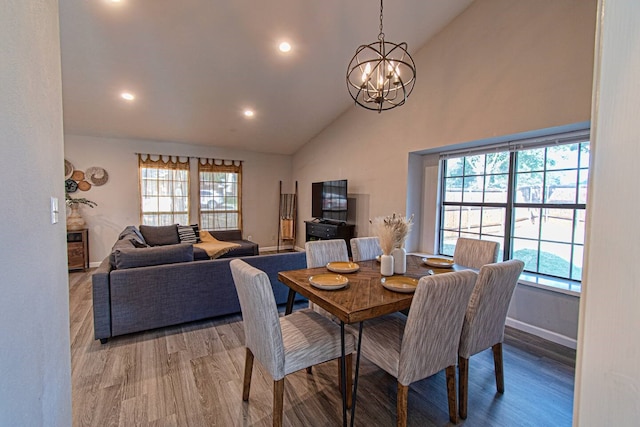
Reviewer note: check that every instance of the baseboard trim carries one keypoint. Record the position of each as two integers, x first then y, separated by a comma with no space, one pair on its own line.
542,333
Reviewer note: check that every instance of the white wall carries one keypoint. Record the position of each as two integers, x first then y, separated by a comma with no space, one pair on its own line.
118,200
35,361
608,373
500,68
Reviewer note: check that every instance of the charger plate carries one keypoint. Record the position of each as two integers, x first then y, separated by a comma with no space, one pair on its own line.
438,262
343,267
403,284
328,281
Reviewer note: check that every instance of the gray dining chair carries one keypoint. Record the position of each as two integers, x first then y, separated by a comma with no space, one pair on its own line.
320,253
286,344
475,253
426,341
365,248
484,321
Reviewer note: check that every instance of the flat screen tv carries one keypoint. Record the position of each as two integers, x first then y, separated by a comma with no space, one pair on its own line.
329,200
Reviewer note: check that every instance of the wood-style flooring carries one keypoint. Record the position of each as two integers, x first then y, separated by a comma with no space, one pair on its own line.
191,375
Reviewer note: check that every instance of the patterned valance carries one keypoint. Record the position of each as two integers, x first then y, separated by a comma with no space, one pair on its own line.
172,162
219,165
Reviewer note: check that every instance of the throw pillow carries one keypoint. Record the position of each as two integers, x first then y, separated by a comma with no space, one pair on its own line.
134,257
160,235
187,235
137,243
196,229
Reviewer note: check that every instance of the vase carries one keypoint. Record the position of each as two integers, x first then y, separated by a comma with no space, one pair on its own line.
399,260
386,265
75,220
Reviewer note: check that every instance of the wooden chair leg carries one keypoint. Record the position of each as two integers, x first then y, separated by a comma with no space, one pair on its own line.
463,385
278,396
497,362
451,393
349,376
309,370
401,405
248,369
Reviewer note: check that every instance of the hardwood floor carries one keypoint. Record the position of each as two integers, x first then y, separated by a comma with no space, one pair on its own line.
191,375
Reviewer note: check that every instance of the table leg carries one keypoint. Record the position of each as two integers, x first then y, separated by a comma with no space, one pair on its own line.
355,381
343,376
290,298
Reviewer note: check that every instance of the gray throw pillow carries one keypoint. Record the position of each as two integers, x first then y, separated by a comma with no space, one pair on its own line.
186,233
144,257
160,235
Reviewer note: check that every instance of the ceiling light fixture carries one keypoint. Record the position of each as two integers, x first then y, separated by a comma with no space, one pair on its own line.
249,113
284,47
128,96
381,75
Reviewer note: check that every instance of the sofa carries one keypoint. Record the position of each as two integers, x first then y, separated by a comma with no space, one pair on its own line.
138,288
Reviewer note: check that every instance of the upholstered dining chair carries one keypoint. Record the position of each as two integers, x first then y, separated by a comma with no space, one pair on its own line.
365,248
424,342
321,252
475,253
282,344
484,321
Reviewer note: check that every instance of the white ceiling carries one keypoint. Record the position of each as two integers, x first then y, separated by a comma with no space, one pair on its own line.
195,65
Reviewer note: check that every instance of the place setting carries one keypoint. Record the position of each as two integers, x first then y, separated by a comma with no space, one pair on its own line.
334,280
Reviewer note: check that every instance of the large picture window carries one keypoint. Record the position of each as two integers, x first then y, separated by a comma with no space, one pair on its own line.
530,196
164,190
220,184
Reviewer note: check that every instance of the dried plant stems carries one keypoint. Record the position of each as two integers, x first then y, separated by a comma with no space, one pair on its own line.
392,231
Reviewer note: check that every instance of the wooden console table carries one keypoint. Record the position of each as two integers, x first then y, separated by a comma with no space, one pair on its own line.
78,249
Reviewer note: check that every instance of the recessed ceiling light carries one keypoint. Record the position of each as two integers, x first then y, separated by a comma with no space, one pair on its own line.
249,113
284,47
128,96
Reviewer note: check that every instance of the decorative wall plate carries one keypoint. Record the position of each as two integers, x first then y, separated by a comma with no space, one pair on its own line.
96,176
84,185
77,175
68,169
70,186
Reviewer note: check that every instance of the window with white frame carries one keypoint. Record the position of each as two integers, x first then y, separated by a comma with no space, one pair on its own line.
220,184
528,195
164,190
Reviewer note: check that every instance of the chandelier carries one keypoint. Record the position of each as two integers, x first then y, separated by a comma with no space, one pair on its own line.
381,75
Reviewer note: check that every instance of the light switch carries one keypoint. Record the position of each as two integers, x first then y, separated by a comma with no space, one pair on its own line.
54,210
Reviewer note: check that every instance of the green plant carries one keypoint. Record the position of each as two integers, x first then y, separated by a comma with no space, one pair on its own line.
71,202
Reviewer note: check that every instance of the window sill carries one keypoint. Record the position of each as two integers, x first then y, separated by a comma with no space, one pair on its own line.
552,284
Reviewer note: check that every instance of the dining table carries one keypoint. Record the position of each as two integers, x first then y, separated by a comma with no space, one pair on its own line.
360,293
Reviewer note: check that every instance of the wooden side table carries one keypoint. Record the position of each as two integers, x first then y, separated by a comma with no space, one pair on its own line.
78,249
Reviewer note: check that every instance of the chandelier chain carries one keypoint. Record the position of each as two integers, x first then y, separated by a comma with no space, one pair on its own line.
381,35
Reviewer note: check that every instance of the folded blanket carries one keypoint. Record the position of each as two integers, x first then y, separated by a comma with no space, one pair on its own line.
212,246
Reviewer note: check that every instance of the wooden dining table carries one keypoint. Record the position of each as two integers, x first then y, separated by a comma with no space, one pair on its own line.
363,298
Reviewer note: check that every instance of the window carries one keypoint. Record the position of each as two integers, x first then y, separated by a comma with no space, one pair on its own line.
530,196
220,194
164,191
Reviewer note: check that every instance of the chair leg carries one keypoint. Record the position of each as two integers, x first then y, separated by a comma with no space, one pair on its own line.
463,385
278,396
349,376
248,368
309,371
401,405
451,393
497,362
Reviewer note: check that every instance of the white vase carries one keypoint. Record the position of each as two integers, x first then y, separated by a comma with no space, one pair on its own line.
386,265
399,260
75,220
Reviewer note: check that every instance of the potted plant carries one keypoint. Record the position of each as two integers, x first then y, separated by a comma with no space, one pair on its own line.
75,220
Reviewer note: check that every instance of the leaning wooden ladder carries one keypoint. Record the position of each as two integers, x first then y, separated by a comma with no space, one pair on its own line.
287,218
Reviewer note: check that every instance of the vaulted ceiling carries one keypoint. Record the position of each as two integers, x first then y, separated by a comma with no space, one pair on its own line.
195,66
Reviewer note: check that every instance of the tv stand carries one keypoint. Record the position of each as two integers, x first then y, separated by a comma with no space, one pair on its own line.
327,229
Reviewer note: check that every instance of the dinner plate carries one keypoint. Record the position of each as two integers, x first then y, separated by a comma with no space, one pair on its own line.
328,281
343,267
403,284
438,262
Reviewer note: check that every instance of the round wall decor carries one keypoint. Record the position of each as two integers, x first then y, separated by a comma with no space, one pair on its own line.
70,186
96,176
84,185
68,169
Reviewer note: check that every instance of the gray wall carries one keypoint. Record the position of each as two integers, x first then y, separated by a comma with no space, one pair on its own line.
35,361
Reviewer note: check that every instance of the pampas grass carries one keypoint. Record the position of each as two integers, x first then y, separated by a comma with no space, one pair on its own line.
392,231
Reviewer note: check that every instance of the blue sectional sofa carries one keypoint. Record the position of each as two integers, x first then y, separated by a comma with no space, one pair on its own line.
130,297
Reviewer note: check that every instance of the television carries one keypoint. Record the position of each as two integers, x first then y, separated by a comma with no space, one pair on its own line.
329,200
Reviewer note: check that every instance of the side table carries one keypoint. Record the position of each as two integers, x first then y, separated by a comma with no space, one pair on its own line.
78,249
